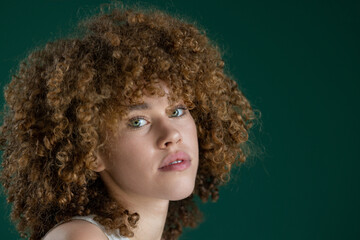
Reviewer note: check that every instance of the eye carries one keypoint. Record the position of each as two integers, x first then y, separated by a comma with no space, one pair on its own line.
178,112
137,122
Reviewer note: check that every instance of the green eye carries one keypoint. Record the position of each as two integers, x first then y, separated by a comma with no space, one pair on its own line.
178,112
137,122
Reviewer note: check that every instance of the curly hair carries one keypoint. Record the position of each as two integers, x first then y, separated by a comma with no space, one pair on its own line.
65,95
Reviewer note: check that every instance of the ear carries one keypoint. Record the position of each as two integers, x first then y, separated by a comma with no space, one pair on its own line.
98,164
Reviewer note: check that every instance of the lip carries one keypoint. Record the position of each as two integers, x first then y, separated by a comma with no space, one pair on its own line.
181,156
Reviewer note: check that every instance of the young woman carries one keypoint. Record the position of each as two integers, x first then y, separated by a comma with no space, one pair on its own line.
111,134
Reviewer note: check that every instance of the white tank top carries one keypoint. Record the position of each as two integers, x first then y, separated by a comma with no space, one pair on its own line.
110,236
115,236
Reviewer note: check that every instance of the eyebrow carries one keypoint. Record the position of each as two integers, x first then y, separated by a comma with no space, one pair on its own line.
143,106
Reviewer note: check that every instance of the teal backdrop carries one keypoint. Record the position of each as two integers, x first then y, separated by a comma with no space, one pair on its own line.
299,64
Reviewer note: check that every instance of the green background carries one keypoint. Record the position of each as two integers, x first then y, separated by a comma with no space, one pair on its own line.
298,63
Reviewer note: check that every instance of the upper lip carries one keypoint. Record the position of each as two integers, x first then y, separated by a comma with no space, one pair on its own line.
180,155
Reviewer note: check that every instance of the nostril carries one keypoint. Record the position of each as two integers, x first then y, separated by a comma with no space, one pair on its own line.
169,136
169,143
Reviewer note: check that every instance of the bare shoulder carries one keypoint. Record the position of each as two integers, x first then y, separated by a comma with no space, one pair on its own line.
76,230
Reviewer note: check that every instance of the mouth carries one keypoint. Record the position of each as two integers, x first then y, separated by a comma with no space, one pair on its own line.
178,161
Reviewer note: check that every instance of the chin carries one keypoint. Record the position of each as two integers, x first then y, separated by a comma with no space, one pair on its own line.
182,193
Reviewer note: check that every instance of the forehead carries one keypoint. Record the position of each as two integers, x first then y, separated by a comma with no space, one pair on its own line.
131,95
147,96
137,96
149,102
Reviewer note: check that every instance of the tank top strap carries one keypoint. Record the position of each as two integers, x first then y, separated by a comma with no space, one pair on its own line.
91,220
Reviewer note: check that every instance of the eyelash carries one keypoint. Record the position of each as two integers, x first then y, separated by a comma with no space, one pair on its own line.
137,118
183,108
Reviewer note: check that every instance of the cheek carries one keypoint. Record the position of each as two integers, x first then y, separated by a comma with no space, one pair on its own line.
131,154
127,153
127,165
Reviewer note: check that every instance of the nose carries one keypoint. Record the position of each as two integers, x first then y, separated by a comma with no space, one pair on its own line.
168,135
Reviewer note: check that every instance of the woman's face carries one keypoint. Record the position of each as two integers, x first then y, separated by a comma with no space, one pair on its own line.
154,153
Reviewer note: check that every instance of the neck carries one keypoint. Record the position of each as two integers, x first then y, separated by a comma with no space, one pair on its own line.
152,220
153,213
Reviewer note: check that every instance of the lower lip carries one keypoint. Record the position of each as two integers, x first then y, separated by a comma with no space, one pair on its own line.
184,164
